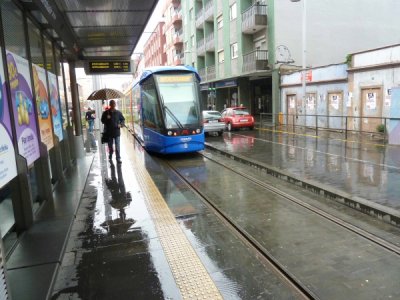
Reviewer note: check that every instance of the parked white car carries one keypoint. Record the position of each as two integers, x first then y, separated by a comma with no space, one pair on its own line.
213,122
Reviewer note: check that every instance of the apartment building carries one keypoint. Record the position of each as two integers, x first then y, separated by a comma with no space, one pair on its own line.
154,54
173,33
241,46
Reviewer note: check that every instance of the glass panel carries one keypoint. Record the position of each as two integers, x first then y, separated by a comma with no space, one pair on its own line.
151,109
6,211
180,108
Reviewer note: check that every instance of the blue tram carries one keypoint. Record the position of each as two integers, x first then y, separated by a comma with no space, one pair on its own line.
163,110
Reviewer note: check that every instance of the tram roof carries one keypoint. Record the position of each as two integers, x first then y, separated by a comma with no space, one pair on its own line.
161,69
93,29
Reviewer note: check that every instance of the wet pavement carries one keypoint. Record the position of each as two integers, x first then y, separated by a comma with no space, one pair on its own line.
364,169
114,250
331,261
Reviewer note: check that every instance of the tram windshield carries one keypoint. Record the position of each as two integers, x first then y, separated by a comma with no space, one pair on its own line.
179,95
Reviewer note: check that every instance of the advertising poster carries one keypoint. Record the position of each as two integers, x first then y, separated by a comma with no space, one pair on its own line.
310,102
24,117
8,167
349,99
42,106
292,102
335,101
55,106
388,97
371,101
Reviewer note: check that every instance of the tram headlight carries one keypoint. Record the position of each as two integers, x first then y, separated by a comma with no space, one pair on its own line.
198,130
169,132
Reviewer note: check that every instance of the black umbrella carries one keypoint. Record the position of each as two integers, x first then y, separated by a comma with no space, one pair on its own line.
105,94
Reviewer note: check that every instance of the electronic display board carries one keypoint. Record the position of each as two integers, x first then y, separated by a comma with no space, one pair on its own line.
105,67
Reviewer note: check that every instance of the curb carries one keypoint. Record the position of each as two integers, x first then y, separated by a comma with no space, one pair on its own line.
384,213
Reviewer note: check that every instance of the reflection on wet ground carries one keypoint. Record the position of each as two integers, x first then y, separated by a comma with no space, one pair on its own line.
360,169
114,252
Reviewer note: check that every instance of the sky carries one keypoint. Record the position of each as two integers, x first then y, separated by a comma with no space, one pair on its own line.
116,81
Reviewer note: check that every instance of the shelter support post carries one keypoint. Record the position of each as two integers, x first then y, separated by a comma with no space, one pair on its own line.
78,145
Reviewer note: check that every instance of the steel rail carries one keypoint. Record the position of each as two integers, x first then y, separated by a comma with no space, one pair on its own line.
289,279
365,234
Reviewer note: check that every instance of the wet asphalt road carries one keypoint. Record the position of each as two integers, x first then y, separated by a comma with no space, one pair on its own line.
331,261
363,169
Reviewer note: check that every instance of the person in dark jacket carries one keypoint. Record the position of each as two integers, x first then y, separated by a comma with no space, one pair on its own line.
113,120
90,116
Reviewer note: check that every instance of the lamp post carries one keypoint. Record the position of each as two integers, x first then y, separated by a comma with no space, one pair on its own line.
304,48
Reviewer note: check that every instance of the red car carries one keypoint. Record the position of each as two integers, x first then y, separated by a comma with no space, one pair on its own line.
237,117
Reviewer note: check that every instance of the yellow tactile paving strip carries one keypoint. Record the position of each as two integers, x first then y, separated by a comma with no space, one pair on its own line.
190,275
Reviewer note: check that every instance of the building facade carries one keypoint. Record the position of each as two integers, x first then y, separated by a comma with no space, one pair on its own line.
227,42
154,54
241,46
173,33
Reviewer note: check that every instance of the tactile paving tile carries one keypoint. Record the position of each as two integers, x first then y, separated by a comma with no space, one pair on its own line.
190,274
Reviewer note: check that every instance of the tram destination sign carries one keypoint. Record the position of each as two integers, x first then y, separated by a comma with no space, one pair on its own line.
107,67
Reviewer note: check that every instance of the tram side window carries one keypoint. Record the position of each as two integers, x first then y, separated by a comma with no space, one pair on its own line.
151,109
136,104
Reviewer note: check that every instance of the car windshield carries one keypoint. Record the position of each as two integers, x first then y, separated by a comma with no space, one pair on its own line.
241,112
179,96
211,114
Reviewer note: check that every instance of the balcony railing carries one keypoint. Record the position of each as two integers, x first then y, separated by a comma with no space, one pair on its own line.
178,36
202,73
210,43
179,58
201,48
211,74
176,15
254,18
200,18
209,11
255,61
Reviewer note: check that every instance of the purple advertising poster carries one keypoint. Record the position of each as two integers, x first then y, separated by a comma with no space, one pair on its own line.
23,111
8,167
55,106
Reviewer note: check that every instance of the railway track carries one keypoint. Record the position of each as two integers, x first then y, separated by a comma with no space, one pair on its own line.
303,291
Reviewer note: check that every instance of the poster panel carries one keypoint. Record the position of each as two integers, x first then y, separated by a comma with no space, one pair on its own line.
55,106
23,110
371,101
42,106
8,167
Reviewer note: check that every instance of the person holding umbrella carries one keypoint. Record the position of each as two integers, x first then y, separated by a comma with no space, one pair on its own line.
113,120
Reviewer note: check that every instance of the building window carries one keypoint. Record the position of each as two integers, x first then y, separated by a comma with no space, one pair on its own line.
221,56
232,12
234,50
220,22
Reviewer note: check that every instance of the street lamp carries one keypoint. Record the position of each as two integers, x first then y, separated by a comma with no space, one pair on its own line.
304,50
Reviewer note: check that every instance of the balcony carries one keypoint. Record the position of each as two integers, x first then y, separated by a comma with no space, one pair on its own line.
178,37
176,16
201,48
255,61
211,74
254,19
209,11
200,19
210,43
179,58
202,73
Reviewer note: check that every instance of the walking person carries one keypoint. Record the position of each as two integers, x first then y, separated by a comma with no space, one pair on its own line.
90,116
113,120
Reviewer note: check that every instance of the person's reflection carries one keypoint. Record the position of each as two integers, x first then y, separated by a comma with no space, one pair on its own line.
90,143
119,200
